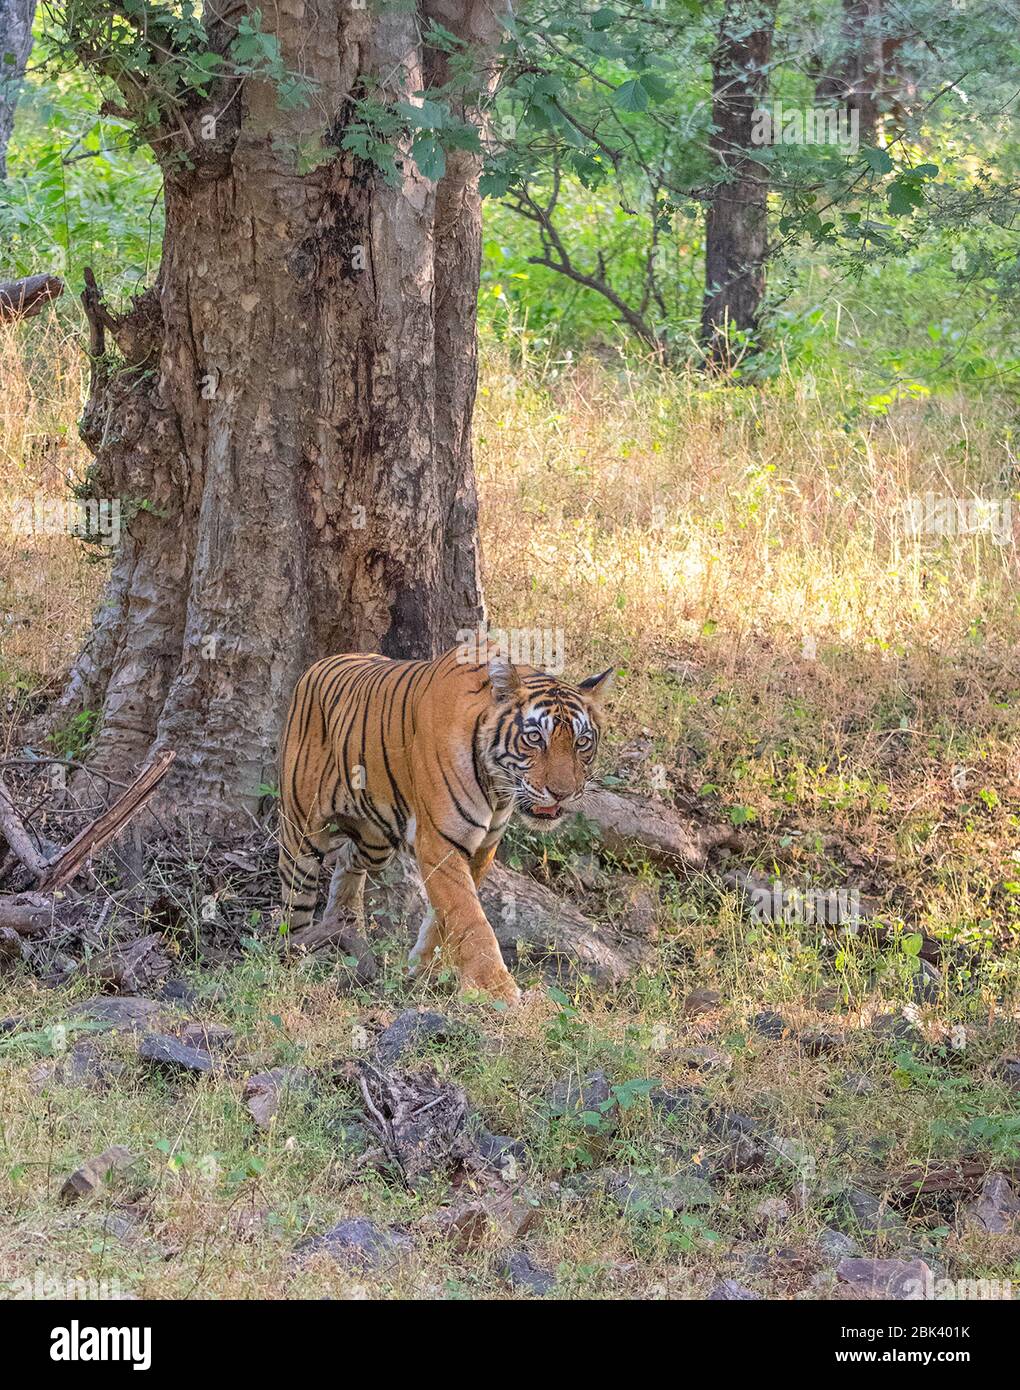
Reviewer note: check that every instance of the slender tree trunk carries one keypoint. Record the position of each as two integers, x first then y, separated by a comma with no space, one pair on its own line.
737,219
856,79
16,18
289,429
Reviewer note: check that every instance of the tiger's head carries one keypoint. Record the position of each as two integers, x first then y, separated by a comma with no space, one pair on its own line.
543,738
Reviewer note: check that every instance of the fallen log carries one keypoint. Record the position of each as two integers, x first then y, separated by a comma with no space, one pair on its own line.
21,299
29,914
627,823
534,926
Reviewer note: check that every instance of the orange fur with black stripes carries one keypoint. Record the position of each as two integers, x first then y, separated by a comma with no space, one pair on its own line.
437,756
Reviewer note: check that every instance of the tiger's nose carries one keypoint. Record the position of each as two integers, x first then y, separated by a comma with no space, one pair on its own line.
559,790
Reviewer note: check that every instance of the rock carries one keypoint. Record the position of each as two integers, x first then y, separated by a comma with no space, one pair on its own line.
264,1091
409,1030
588,871
133,1014
172,1055
857,1210
1007,1070
895,1028
773,1211
857,1084
176,991
836,1245
677,1100
701,1001
704,1058
926,983
209,1037
86,1064
654,1194
521,1272
819,1044
590,1096
896,1279
745,1145
729,1291
770,1025
358,1244
996,1208
470,1220
640,911
87,1180
501,1152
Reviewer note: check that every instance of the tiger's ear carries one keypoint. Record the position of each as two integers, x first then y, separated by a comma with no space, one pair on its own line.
503,677
597,687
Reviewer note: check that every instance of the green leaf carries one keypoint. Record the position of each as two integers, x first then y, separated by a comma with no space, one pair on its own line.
604,18
877,160
631,96
430,157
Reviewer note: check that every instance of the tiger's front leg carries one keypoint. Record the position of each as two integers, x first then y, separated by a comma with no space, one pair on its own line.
461,927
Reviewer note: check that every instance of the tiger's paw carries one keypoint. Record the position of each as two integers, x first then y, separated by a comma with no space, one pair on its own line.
499,984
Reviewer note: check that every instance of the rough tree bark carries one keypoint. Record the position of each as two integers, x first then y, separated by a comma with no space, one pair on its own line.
736,223
287,424
16,18
857,78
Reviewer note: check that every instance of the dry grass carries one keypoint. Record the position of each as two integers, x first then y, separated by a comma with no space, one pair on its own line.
789,657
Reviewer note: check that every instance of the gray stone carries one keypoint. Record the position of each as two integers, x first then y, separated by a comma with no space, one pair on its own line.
729,1291
857,1084
895,1028
655,1194
500,1151
926,982
705,1058
856,1210
410,1030
837,1245
126,1011
996,1208
897,1279
676,1100
1007,1070
170,1054
701,1001
575,1096
87,1180
521,1272
358,1243
769,1025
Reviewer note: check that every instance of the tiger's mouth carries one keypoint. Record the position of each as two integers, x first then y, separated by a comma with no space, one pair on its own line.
545,814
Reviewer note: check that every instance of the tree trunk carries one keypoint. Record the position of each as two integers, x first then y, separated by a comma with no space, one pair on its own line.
16,18
737,220
856,80
289,430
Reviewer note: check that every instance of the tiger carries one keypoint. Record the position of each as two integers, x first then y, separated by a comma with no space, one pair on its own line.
379,754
